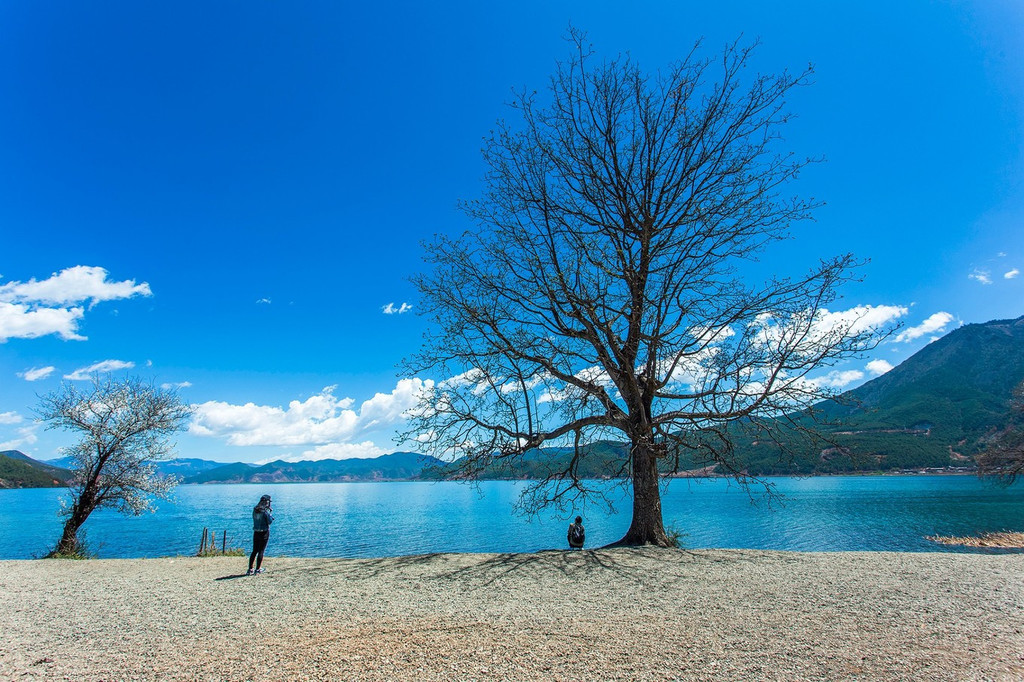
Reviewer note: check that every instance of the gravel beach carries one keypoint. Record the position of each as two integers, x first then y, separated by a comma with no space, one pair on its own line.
619,614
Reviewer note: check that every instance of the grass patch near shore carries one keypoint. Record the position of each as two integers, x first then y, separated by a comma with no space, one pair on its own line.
675,536
230,551
1005,540
80,554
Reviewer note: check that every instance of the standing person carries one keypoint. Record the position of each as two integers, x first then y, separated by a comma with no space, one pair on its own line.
577,534
262,517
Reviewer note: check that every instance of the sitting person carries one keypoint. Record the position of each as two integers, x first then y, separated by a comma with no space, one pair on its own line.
577,534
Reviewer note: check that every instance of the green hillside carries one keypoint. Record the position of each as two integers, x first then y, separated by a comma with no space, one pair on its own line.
18,470
935,410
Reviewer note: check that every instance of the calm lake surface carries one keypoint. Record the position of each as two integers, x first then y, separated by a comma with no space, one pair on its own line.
388,519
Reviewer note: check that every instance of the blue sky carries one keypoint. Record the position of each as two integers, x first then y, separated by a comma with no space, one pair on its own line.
226,197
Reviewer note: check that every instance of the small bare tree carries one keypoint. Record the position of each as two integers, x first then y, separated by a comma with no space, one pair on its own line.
1003,459
124,426
602,297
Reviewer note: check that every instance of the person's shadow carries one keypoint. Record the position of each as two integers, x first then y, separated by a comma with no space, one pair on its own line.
231,577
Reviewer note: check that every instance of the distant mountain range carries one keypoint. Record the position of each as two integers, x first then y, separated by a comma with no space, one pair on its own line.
934,411
398,466
18,470
182,468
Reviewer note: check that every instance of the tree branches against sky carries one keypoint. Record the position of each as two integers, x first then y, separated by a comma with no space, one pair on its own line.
241,196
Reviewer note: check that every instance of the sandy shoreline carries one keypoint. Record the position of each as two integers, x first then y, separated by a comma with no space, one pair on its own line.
606,614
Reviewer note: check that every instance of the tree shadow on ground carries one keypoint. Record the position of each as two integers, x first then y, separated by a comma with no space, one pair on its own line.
630,563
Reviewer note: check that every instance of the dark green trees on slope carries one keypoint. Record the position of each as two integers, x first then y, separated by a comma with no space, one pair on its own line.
18,470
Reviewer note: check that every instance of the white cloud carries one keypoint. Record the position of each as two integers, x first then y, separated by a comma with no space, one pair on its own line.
86,373
979,275
322,419
693,369
474,377
264,301
878,367
390,309
935,323
861,318
1011,274
19,321
838,379
364,450
180,384
386,409
556,392
73,285
853,321
55,305
10,418
26,436
36,373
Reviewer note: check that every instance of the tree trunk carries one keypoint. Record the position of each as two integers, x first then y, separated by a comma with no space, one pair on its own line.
647,527
68,543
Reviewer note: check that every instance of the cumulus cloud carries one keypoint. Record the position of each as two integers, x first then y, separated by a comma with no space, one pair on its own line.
18,321
55,305
180,384
364,450
264,301
934,324
826,323
861,318
86,373
695,369
838,379
470,377
36,373
10,418
980,275
322,419
390,309
878,367
74,285
1011,274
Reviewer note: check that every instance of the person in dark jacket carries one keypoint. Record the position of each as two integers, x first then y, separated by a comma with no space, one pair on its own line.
577,535
262,517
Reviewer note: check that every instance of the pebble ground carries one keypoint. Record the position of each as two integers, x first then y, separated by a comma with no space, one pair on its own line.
621,614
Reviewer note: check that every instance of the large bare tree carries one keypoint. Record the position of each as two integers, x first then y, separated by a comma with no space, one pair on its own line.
124,426
603,294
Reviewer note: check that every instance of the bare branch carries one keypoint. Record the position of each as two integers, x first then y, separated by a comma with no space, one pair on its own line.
603,291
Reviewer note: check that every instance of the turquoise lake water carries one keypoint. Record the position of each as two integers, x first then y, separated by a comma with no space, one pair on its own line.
388,519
